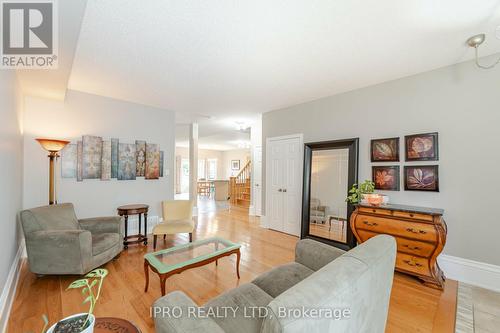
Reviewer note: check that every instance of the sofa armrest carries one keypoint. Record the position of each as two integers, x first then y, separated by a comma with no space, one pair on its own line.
59,251
314,254
181,320
98,225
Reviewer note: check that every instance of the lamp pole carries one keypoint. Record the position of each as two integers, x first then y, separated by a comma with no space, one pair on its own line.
52,186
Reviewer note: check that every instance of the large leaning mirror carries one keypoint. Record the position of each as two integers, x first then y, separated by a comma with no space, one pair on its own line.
330,169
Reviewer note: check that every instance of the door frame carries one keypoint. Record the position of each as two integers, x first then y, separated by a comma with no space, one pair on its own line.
352,178
269,140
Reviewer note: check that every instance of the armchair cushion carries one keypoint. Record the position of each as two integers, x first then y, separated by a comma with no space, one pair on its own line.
165,323
104,241
281,278
314,254
53,217
108,224
244,297
173,227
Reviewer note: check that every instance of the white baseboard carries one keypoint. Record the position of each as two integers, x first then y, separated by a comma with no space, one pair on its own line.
251,210
472,272
263,221
195,211
9,289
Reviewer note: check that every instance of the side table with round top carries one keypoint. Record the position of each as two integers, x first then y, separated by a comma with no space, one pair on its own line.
135,209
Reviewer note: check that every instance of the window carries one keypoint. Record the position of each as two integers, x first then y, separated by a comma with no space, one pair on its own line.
212,169
201,169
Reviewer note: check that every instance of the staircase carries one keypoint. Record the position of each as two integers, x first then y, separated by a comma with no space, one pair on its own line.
239,187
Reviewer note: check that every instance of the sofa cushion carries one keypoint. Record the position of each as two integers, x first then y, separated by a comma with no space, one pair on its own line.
103,242
281,278
242,298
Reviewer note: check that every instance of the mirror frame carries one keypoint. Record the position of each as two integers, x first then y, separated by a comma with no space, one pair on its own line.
352,178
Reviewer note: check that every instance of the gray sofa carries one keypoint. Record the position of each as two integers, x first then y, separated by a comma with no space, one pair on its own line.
58,243
323,278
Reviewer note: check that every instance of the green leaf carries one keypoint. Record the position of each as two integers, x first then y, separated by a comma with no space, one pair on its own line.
88,299
84,290
93,283
78,284
97,273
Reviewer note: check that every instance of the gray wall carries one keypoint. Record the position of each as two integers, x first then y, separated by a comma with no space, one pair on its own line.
11,166
89,114
460,102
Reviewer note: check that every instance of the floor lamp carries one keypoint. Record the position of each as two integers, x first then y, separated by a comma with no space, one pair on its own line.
53,147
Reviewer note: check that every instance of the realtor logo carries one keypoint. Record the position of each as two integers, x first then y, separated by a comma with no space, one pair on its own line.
29,34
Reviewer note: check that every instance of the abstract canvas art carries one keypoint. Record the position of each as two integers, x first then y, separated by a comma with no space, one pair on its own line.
152,161
422,147
92,151
385,150
126,161
162,156
386,177
114,158
79,161
140,147
422,178
68,161
106,160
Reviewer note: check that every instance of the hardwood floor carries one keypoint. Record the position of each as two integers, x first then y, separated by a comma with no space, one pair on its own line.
413,307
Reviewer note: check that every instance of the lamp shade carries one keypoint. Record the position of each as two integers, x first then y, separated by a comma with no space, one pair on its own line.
51,145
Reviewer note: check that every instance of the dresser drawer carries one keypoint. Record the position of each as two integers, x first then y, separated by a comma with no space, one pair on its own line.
408,246
417,216
418,231
407,262
375,210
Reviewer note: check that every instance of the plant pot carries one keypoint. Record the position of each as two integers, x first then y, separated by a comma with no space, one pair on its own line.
88,329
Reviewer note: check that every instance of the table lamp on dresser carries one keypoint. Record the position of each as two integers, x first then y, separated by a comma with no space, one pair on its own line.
53,147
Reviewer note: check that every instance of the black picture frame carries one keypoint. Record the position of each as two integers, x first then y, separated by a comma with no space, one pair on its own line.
352,178
397,181
435,168
373,142
435,147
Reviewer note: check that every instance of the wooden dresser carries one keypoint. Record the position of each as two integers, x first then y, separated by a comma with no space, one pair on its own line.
420,234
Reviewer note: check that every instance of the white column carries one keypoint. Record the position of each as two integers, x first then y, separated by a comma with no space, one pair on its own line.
193,166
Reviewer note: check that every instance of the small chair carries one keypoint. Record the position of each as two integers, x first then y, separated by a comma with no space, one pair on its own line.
177,218
59,243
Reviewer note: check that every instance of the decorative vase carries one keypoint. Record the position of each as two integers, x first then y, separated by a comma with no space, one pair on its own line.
89,329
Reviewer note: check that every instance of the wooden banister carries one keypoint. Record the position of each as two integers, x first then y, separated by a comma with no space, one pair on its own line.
239,186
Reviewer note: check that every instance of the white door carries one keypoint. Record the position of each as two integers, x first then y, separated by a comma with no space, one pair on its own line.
275,183
284,183
292,187
257,180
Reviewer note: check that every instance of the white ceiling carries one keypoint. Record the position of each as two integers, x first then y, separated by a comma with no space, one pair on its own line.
236,58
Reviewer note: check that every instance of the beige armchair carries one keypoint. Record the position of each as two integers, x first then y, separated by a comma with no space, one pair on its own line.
177,218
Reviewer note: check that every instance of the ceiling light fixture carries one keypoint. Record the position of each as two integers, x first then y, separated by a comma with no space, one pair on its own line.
474,42
241,126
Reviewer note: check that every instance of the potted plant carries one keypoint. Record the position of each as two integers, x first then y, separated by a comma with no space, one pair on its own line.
91,289
356,192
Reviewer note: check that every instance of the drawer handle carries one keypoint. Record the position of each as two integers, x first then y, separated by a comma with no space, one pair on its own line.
411,215
370,224
416,231
409,247
412,263
374,210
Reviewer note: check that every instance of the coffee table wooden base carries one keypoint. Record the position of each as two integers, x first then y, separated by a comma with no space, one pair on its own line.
165,276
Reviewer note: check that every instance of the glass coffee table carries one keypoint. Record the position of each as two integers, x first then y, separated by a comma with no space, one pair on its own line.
179,258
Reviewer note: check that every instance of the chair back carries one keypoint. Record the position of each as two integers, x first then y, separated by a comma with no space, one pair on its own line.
177,210
53,217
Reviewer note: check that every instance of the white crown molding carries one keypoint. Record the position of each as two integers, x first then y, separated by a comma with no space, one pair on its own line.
472,272
9,289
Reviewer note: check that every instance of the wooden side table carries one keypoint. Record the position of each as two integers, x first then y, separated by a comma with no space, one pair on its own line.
111,324
136,209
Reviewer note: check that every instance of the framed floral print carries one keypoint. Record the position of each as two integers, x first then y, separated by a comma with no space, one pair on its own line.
422,178
386,177
385,150
422,147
